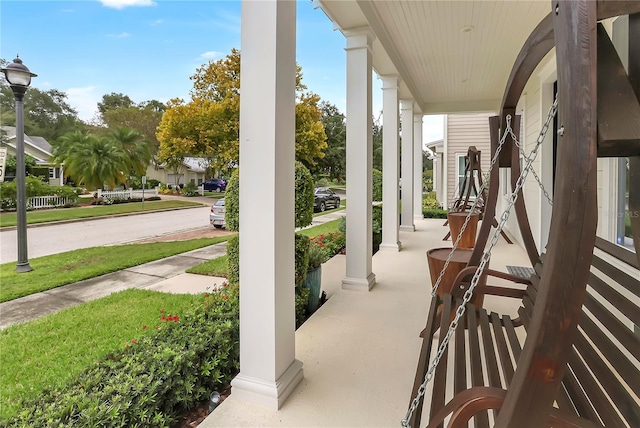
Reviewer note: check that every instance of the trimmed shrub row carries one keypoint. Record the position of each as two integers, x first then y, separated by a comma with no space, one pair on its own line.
155,378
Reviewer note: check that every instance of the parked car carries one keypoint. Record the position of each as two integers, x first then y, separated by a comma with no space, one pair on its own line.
215,185
216,216
325,198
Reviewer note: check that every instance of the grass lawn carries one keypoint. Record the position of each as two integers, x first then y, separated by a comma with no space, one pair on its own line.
217,195
213,267
331,226
9,219
65,268
52,350
218,266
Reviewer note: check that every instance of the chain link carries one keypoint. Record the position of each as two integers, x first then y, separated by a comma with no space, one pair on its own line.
533,171
483,262
496,156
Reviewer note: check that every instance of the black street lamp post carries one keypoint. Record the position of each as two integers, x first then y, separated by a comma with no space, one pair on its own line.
19,78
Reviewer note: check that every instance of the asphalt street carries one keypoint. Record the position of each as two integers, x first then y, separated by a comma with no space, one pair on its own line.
58,238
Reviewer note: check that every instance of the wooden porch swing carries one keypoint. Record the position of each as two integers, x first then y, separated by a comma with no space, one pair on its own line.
572,356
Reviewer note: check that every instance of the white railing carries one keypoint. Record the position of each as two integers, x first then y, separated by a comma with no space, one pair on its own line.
127,194
38,202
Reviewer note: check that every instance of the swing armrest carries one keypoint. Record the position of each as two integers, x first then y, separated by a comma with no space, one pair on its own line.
464,278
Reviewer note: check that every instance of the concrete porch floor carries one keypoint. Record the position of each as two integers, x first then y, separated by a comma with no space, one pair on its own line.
360,349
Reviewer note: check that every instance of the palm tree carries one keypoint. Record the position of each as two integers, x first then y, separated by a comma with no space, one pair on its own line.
136,148
92,161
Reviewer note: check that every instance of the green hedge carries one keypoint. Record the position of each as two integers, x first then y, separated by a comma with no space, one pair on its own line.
154,379
304,196
377,186
232,202
434,213
233,260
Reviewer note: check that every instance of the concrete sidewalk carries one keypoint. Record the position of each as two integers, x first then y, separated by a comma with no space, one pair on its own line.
167,275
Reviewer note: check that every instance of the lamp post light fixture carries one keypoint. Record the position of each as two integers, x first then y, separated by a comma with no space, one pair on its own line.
19,78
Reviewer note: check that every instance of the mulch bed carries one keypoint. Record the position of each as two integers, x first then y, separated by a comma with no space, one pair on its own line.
193,418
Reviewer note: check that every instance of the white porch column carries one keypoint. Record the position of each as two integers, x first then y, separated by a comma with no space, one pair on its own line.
359,160
268,368
391,164
417,166
406,221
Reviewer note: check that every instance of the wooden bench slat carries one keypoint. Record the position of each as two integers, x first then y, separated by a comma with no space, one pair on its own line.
439,381
617,359
626,337
514,342
611,384
580,401
503,351
618,300
460,366
482,418
622,278
423,360
489,352
594,396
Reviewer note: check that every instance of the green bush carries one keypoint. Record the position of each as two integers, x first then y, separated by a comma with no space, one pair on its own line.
302,299
233,260
304,196
430,202
155,378
434,213
376,219
232,202
301,257
377,186
34,187
332,243
190,189
322,182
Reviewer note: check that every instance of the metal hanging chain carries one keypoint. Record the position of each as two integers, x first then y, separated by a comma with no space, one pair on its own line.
483,262
533,171
473,207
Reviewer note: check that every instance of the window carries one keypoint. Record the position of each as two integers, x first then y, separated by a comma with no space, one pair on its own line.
623,218
461,160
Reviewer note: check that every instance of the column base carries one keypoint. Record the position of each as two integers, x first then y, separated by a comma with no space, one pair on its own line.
359,284
267,394
408,228
391,246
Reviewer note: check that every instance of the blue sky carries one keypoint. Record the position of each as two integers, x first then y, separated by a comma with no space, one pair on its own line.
148,49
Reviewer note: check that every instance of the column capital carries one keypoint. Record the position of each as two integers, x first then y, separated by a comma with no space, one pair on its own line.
390,81
417,117
406,104
359,38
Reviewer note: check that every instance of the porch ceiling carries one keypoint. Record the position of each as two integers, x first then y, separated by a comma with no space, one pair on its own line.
452,56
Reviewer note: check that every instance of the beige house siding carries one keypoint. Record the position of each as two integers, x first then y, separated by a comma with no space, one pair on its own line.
464,130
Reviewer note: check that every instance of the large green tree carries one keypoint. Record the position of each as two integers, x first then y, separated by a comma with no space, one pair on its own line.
143,117
334,161
208,124
47,113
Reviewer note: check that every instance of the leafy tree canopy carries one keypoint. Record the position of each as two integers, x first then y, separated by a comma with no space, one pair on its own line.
47,113
208,124
334,161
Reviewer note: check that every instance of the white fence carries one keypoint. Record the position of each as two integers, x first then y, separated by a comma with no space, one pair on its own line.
127,194
38,202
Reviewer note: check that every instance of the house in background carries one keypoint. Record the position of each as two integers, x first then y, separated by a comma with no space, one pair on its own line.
192,170
460,132
39,149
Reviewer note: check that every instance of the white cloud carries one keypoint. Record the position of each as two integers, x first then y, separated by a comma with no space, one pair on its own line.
84,100
119,36
210,54
157,22
121,4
